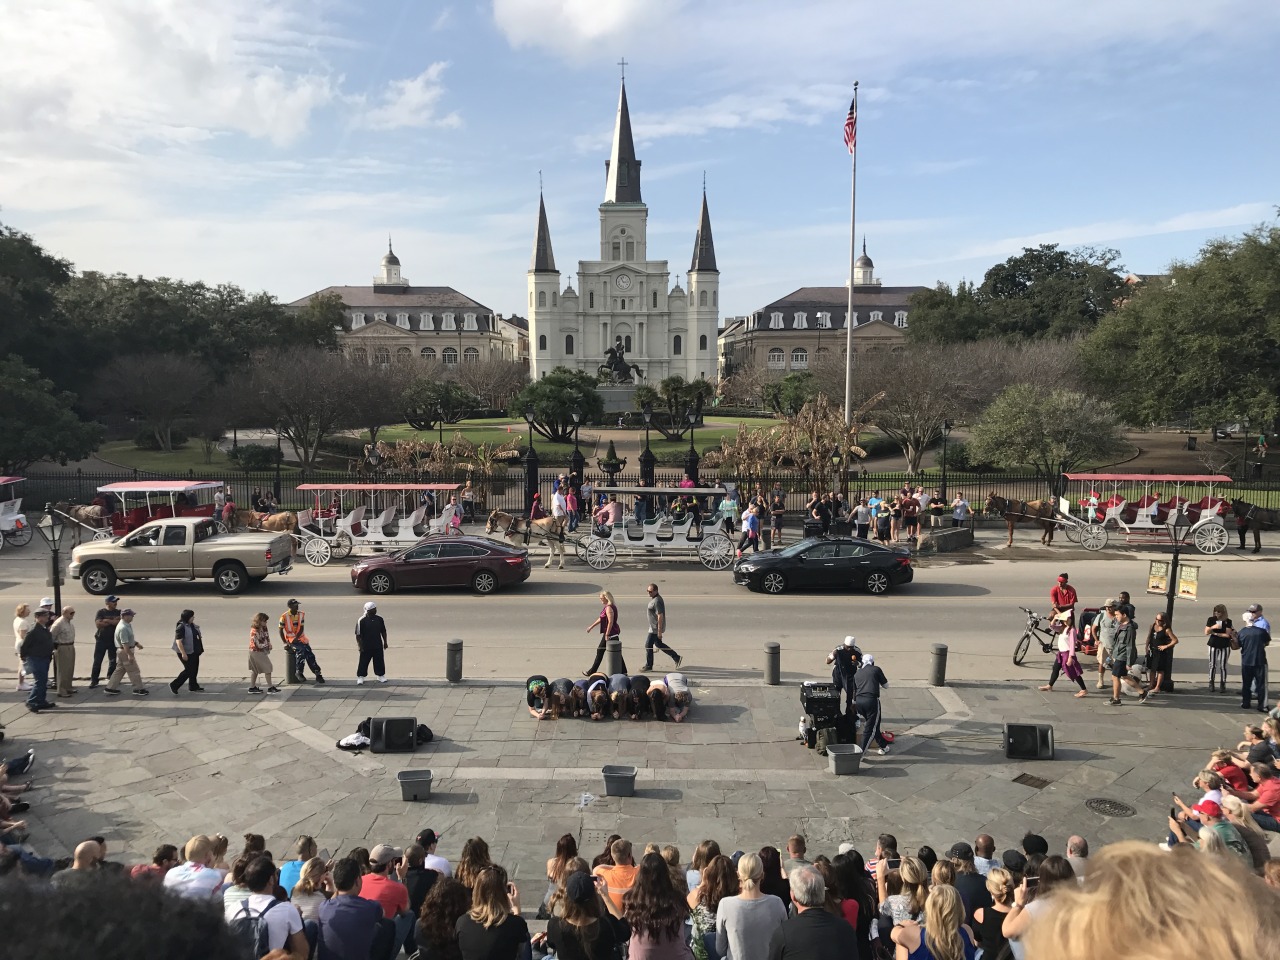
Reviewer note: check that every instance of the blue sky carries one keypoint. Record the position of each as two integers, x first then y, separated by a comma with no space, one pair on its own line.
275,143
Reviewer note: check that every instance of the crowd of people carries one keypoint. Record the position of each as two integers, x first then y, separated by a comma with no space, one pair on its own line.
600,696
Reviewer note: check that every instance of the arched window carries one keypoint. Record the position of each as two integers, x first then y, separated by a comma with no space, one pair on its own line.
381,355
702,342
715,298
403,354
542,298
554,298
591,299
626,343
471,355
702,298
428,353
360,355
799,358
568,345
676,345
777,359
542,341
450,356
655,300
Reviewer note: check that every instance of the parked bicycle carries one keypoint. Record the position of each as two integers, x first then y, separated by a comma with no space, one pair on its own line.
1036,630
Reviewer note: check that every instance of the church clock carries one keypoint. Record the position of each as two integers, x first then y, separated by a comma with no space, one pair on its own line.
623,281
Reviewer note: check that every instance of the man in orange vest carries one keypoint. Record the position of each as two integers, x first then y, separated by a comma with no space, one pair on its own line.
295,641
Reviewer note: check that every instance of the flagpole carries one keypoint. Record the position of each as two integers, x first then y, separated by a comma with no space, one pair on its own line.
848,317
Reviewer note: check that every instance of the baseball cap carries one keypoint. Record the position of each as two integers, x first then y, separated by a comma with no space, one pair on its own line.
1210,808
960,851
1013,860
428,838
113,599
383,854
41,612
126,612
847,847
1252,608
1109,603
580,887
1034,843
292,603
370,605
46,601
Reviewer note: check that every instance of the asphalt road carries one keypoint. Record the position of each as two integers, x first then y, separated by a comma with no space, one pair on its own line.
969,602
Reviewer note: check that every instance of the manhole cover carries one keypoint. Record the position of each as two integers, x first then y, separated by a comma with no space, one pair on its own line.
591,839
1035,783
1110,808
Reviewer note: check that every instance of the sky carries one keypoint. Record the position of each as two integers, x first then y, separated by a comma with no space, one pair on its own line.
275,144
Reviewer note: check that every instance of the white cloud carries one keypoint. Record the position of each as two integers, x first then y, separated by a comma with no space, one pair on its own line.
412,103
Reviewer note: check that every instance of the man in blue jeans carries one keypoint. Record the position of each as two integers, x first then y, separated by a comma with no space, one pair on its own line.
36,651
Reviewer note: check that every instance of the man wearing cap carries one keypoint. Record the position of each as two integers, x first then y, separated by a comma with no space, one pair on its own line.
64,643
1211,819
36,651
127,646
293,636
105,622
1255,608
1104,628
1063,597
846,658
970,884
428,840
867,682
371,639
1253,640
384,885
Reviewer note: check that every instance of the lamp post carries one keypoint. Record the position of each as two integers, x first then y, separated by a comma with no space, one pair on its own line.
1176,527
530,462
275,486
1244,450
647,459
577,463
440,423
946,432
51,527
691,459
837,465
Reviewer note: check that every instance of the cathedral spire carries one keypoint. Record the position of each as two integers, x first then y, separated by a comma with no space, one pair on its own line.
704,247
544,261
622,169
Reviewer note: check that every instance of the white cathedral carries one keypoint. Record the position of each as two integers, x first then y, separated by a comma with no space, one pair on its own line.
626,298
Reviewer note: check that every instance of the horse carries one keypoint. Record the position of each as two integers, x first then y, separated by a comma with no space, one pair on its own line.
284,522
522,528
1255,518
94,516
1024,511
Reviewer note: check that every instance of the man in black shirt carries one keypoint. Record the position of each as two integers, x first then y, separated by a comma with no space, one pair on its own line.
37,653
371,638
419,880
812,934
104,639
971,885
867,682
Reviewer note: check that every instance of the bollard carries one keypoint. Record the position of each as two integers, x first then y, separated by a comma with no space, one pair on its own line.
453,661
772,662
613,656
938,670
290,665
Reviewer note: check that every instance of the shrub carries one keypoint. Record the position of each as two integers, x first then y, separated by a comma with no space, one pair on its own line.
252,457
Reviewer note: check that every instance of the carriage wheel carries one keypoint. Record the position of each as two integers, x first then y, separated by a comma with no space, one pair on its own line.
579,547
21,536
1071,531
716,552
1093,537
317,552
104,534
220,526
1210,538
342,546
601,553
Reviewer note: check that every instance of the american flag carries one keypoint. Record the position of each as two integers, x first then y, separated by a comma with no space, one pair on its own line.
851,125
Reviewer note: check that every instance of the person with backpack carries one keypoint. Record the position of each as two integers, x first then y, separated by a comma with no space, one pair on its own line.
262,924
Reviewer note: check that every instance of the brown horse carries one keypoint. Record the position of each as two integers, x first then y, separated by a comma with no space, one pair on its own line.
1255,518
520,529
1024,511
284,522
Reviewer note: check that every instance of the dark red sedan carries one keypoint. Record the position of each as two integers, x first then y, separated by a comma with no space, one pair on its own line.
482,564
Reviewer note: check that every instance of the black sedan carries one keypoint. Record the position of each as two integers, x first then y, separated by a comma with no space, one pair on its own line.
482,564
836,563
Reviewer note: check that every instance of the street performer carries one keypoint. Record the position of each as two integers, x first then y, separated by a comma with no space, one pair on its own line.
846,658
294,637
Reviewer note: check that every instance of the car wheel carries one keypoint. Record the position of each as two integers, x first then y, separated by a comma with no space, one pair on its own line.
484,582
380,583
98,578
773,582
231,578
877,582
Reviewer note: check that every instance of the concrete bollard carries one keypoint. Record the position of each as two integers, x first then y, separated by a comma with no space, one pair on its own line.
938,669
453,661
772,662
290,665
613,656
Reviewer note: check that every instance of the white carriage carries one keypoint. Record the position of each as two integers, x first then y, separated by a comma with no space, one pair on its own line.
669,535
1110,504
14,527
395,515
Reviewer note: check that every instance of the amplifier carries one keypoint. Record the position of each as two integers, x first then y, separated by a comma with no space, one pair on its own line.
1028,741
820,700
393,734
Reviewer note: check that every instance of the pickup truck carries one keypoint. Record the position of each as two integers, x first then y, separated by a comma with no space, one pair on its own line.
182,548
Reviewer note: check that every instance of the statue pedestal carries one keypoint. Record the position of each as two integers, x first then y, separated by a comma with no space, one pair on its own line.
618,397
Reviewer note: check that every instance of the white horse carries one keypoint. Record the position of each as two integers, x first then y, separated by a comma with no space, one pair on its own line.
522,529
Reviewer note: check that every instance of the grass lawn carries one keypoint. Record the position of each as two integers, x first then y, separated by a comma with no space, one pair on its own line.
178,463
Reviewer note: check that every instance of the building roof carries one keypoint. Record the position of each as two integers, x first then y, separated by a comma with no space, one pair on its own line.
544,260
517,321
704,247
389,258
392,298
622,169
835,300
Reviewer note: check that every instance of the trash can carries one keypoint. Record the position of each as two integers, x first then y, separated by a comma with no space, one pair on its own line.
414,784
619,781
1191,443
844,759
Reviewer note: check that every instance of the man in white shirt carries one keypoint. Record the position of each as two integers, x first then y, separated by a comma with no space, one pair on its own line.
282,921
559,505
428,839
195,879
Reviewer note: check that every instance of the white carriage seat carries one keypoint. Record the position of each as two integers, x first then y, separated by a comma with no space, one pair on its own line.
682,529
412,526
351,523
1114,507
9,508
633,531
442,523
305,519
381,527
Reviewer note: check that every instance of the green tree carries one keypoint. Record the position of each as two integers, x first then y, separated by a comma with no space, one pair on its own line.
941,315
39,423
552,400
427,401
30,280
1051,429
306,391
159,388
787,396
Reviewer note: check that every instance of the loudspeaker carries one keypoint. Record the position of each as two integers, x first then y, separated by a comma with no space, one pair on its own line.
1028,741
393,734
821,701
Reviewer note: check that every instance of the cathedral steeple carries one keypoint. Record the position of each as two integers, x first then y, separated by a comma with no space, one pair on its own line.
544,261
704,247
622,169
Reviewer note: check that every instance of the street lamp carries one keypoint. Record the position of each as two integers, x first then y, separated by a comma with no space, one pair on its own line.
440,423
530,462
51,527
647,459
1176,527
837,468
275,488
691,458
577,463
946,432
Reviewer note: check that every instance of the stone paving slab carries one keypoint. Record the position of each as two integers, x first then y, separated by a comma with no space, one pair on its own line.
143,772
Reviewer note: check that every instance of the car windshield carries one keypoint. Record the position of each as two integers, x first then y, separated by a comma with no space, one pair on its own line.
795,549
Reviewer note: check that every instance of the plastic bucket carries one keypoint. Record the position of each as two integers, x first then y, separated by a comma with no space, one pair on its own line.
844,759
619,781
414,784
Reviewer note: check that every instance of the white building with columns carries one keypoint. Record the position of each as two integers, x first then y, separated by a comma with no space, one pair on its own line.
624,294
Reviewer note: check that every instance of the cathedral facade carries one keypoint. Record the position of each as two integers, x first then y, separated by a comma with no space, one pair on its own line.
627,300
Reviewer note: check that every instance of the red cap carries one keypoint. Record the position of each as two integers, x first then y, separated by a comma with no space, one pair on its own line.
1209,808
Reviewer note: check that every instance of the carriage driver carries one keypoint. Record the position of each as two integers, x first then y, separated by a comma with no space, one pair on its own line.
295,641
608,516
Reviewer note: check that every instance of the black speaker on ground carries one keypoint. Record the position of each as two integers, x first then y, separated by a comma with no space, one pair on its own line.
821,701
393,734
1028,741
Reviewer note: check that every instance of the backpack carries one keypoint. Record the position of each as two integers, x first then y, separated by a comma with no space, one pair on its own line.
423,734
250,931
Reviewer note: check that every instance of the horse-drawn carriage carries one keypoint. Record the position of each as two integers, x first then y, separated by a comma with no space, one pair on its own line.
121,508
395,515
672,534
14,527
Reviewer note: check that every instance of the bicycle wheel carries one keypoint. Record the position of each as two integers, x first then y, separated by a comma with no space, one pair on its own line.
1020,650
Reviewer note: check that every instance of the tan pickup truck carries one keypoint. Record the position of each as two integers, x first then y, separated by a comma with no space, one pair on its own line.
182,548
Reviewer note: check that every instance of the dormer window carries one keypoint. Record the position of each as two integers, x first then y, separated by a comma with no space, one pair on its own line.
448,325
802,321
900,319
381,317
876,315
824,321
468,321
402,321
775,321
425,322
854,321
357,321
